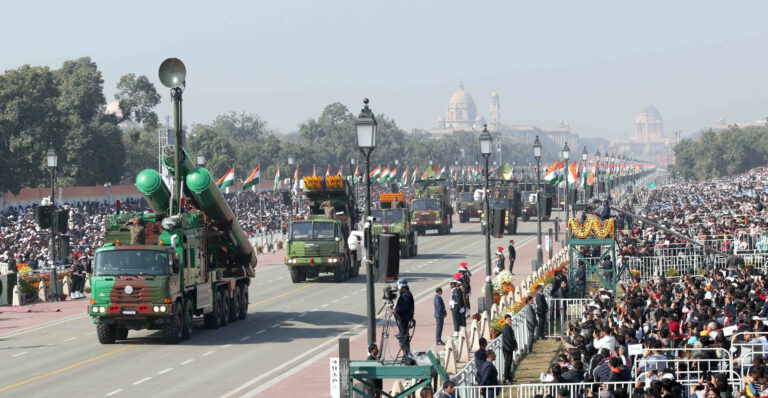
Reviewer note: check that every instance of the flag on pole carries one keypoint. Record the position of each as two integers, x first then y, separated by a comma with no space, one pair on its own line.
415,173
276,185
314,174
442,171
404,177
252,179
228,180
296,180
573,173
392,174
375,173
339,173
551,174
384,175
328,171
592,174
356,177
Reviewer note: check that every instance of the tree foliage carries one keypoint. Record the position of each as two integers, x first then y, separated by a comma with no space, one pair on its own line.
717,154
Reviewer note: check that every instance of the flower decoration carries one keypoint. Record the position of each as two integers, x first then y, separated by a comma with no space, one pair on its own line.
592,225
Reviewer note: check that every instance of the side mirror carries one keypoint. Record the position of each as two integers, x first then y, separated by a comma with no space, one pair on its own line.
175,266
89,267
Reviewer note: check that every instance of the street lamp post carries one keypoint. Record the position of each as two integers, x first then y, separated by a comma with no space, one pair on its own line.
566,155
366,141
354,176
108,185
537,155
290,185
485,149
584,156
53,161
612,170
597,172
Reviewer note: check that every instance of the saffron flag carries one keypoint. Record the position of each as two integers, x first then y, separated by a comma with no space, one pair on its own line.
296,180
252,179
328,171
276,185
356,177
339,173
404,178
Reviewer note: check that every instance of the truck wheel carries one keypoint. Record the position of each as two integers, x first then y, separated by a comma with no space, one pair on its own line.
174,327
106,333
224,307
298,274
234,309
243,303
189,326
338,273
121,333
213,318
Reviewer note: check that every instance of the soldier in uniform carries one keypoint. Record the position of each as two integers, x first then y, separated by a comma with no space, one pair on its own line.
457,306
465,286
137,231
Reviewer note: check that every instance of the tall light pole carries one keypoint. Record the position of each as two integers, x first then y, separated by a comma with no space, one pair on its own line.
584,156
566,155
290,185
456,170
108,185
366,141
611,170
200,158
53,162
397,162
357,198
172,74
597,173
486,142
537,155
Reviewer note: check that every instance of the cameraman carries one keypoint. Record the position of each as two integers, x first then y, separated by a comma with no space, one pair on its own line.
403,313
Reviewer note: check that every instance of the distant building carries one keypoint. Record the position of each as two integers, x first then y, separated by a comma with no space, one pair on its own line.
722,125
649,141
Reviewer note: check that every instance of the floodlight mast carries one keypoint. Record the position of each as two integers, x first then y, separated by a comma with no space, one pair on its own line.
173,74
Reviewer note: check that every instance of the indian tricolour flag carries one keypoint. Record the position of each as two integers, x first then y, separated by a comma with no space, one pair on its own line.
573,172
442,171
375,173
404,177
356,178
384,175
392,174
296,180
551,174
276,185
252,179
415,173
228,180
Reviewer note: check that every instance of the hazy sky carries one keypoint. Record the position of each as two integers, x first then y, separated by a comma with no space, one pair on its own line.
590,63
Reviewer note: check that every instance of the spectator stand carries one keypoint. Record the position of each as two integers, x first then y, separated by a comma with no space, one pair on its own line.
592,234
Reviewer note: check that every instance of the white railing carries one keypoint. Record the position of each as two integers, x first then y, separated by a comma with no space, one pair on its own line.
689,364
542,389
563,313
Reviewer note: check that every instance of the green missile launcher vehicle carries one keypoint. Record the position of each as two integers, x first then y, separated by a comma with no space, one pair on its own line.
393,218
431,207
468,206
319,243
504,196
159,270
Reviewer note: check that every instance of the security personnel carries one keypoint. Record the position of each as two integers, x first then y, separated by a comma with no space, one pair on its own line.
403,312
466,288
457,305
499,261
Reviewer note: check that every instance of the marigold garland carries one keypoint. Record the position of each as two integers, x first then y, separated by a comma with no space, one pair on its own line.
591,225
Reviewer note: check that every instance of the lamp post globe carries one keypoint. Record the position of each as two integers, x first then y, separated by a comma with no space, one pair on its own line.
200,158
366,141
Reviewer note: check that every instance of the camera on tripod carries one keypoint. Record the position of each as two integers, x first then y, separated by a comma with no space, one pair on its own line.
390,293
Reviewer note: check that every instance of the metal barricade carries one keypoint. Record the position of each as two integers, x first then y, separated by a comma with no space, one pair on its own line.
747,351
565,312
688,364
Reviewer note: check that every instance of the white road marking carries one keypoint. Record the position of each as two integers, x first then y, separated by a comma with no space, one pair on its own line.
187,361
313,310
302,314
137,382
119,390
164,371
19,354
261,331
345,297
335,301
324,305
226,346
90,333
245,338
71,338
208,353
275,325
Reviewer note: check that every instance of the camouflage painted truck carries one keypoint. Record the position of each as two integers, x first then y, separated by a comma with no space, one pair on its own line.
392,218
504,195
159,271
319,243
430,206
468,206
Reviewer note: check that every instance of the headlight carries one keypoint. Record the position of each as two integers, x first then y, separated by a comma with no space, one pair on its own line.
102,310
156,309
162,308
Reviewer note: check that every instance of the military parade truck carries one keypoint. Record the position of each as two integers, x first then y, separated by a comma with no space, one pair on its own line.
504,196
430,206
530,205
468,206
392,218
158,270
318,244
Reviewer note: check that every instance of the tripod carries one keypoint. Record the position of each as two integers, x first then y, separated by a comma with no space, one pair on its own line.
403,355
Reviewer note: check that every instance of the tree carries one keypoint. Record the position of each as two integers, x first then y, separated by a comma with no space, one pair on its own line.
138,99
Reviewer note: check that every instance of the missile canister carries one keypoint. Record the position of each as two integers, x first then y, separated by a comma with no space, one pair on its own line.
186,164
156,193
211,202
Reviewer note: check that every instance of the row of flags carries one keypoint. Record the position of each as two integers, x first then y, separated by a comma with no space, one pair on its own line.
554,174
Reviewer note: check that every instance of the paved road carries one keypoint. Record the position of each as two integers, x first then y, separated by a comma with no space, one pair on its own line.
287,324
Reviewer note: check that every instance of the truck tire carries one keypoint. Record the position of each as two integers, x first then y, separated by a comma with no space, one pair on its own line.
298,274
106,333
189,325
338,273
234,308
213,318
243,302
224,307
121,333
174,327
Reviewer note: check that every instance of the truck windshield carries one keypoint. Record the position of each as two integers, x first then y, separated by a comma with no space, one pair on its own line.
131,262
377,214
392,216
312,230
429,204
498,203
466,197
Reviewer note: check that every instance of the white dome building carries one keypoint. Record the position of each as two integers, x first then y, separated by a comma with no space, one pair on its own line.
461,110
